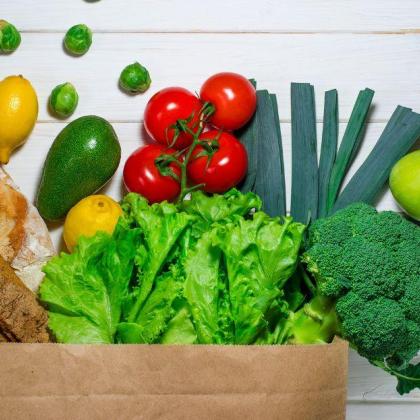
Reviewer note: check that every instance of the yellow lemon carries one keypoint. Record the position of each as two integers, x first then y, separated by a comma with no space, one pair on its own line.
18,113
89,216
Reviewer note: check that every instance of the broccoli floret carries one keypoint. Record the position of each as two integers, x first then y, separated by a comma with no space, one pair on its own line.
367,278
377,328
337,233
368,263
387,227
321,261
401,358
408,254
410,301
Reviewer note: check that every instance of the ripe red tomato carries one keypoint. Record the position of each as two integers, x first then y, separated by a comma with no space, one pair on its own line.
227,166
141,175
233,97
164,109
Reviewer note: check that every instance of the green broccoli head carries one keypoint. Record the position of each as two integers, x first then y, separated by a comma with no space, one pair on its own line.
377,328
369,262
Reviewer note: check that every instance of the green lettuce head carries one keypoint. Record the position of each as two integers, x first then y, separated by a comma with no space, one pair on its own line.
135,78
78,39
9,37
63,100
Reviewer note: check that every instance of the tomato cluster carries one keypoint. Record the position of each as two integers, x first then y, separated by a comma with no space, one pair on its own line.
194,146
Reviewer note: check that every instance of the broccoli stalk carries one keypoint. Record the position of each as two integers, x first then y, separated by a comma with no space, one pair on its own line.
365,267
316,322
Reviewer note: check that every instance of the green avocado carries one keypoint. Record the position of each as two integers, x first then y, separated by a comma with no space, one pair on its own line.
82,159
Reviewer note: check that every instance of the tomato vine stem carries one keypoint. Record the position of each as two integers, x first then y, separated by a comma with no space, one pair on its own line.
163,161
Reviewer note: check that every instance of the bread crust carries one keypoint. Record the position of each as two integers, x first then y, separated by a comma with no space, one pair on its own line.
25,242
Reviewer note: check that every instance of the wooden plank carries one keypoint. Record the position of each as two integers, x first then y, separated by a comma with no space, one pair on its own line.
389,65
219,15
368,383
382,411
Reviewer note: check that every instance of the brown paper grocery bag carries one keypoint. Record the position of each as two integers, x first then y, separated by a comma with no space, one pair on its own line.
53,381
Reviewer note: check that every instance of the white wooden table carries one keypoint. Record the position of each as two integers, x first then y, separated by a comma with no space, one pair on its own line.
343,44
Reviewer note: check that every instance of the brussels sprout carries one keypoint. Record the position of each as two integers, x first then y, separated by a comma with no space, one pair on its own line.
9,37
135,78
63,100
78,39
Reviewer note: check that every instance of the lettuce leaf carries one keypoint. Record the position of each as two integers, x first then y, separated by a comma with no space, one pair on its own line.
219,208
260,254
161,226
205,290
180,328
84,291
157,311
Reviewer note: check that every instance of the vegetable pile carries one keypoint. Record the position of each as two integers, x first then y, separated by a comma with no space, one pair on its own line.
210,270
192,260
207,270
186,258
